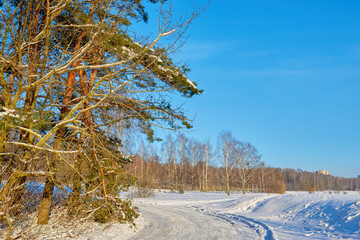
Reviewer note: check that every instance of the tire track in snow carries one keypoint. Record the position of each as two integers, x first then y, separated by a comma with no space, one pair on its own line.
261,229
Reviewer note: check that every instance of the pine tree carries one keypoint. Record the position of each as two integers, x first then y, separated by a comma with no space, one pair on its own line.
70,71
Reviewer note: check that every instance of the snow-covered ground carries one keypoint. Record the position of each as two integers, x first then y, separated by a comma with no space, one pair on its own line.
61,227
294,215
194,215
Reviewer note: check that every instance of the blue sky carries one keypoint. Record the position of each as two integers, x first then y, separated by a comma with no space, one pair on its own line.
283,75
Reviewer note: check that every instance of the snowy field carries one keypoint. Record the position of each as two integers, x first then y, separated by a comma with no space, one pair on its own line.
295,215
194,215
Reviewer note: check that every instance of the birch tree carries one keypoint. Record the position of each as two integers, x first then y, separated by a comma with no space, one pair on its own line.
226,156
169,152
207,154
247,159
195,152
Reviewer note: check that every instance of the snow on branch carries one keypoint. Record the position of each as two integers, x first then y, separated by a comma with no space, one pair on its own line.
43,149
10,113
167,33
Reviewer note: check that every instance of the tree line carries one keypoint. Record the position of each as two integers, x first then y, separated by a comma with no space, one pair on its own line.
187,164
183,163
299,180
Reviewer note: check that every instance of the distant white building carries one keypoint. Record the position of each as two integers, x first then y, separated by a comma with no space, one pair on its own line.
325,172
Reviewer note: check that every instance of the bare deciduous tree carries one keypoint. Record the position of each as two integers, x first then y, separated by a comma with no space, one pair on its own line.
226,154
246,158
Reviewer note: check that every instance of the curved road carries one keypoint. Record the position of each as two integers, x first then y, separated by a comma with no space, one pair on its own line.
179,222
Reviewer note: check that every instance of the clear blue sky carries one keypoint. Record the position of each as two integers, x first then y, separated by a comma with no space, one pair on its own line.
283,75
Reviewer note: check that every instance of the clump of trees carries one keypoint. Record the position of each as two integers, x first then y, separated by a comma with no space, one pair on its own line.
299,180
74,80
188,164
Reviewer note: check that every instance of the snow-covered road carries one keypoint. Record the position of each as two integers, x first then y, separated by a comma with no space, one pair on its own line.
179,222
164,221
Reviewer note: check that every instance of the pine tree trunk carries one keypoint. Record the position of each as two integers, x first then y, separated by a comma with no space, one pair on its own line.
44,209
